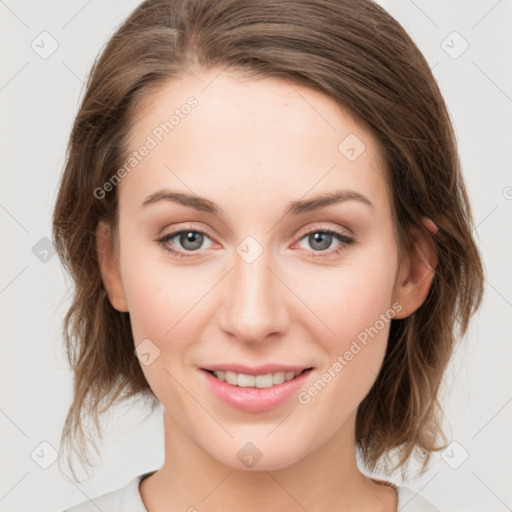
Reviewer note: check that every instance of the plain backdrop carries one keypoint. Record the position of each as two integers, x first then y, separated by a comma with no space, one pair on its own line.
469,47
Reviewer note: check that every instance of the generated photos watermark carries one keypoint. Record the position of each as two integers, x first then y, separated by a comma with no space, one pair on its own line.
152,140
342,360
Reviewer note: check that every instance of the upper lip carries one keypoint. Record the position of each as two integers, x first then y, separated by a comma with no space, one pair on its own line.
255,370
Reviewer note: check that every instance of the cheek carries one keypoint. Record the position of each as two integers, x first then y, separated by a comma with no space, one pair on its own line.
164,309
356,304
354,355
352,296
162,298
168,315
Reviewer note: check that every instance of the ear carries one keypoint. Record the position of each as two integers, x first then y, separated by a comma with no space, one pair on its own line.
109,266
416,272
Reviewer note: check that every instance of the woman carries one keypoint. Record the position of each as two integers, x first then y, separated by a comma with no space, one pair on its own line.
264,216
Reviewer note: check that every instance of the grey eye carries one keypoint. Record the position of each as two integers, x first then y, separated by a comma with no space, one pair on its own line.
319,240
190,240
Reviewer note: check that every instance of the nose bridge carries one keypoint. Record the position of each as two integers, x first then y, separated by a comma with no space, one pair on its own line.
254,303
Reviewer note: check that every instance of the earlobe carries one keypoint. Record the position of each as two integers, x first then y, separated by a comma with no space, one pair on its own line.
109,267
417,272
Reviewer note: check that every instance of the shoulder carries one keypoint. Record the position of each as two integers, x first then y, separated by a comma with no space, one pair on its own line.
411,501
127,499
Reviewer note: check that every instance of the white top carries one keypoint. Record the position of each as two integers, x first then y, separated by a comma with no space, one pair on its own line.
128,499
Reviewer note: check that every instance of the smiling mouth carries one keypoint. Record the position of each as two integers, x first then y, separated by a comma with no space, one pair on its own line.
256,381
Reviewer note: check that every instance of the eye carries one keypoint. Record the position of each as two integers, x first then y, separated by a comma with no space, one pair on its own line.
322,239
191,240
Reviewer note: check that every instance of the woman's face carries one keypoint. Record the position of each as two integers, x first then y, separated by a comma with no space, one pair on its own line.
257,281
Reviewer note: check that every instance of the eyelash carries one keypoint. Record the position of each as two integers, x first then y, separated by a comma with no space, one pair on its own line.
344,239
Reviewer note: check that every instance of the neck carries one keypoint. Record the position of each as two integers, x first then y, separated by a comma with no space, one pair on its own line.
328,478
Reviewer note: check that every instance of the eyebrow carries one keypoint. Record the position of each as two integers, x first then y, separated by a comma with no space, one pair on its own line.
297,207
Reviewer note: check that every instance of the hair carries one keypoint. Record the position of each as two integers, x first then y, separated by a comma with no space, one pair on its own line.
354,52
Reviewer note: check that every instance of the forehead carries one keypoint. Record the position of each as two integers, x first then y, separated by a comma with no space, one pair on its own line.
215,132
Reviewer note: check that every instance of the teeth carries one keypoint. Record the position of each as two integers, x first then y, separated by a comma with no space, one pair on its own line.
255,381
279,377
245,381
231,378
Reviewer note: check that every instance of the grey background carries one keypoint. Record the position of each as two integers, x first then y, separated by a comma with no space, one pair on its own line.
39,98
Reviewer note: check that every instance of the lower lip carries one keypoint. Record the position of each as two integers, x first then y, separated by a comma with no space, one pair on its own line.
255,399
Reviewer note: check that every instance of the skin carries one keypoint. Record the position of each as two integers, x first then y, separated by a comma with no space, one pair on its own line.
251,146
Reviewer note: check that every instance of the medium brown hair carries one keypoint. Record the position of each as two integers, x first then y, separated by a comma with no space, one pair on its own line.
350,50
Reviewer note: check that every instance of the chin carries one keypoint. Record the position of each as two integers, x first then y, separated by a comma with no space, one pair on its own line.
257,455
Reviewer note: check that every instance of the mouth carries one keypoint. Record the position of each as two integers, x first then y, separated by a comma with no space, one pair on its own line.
255,389
266,380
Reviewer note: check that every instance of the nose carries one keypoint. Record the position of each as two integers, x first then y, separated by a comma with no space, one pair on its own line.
254,305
